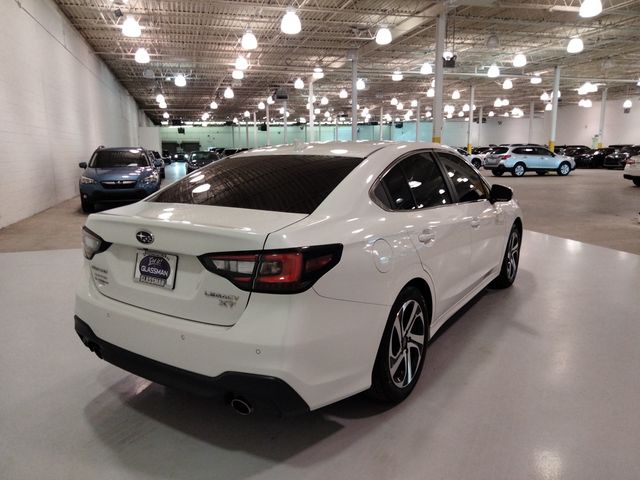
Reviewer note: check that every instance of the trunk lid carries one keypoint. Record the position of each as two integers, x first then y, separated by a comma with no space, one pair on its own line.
180,234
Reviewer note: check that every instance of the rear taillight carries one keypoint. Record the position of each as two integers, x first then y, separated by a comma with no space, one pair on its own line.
631,161
505,157
274,271
92,243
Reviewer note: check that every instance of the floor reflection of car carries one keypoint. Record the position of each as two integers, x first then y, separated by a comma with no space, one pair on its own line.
519,159
200,159
289,278
619,157
117,175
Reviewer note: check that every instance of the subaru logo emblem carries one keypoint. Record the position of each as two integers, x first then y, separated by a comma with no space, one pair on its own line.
144,237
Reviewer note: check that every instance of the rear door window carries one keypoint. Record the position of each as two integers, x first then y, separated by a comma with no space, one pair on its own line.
468,184
282,183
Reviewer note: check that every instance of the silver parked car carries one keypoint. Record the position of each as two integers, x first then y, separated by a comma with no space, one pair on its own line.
522,158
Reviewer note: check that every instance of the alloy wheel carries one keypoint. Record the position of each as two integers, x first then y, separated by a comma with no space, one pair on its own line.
519,170
513,254
564,169
406,343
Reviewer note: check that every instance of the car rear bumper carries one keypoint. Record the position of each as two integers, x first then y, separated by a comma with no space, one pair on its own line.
269,392
626,176
304,340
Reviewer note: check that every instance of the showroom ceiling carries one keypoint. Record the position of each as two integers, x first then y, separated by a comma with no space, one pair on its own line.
202,38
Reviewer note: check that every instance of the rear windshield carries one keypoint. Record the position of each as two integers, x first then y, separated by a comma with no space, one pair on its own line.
499,150
118,158
282,183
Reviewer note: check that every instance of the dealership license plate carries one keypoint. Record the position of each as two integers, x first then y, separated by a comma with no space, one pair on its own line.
154,268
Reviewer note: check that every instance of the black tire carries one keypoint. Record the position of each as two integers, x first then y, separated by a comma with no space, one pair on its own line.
497,173
393,382
162,174
519,169
564,169
87,207
636,182
541,172
476,163
510,260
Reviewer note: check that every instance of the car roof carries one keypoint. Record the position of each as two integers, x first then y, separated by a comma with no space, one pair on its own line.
357,149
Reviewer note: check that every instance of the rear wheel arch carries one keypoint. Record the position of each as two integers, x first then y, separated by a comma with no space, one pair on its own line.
424,288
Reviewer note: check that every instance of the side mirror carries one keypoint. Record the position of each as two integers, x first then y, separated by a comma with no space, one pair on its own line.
83,165
500,193
157,163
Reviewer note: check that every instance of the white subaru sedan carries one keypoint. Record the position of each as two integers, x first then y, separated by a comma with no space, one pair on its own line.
294,276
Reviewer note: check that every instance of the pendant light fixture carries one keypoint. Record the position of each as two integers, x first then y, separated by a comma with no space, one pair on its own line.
545,97
180,80
520,60
397,76
426,69
505,102
431,92
590,8
165,115
465,107
131,27
298,84
493,71
318,73
383,36
394,101
324,101
507,84
249,41
213,105
548,107
455,95
343,93
536,80
228,92
270,100
360,85
290,23
142,56
247,114
241,63
160,98
497,103
261,106
627,104
575,45
491,114
237,74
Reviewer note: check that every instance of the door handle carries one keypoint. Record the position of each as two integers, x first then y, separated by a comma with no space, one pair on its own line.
427,236
475,222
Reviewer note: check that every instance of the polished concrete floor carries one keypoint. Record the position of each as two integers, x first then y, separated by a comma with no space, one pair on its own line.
592,206
539,381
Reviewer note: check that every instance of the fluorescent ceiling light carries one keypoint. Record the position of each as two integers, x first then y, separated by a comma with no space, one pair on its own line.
394,101
507,84
536,80
261,106
548,107
165,115
397,76
318,73
497,103
545,97
465,107
324,101
431,92
627,103
241,63
160,98
247,114
270,100
455,95
237,74
491,114
228,92
505,102
213,105
298,84
360,85
343,93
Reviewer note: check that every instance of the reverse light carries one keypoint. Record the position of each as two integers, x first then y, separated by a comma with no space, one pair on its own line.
92,243
274,271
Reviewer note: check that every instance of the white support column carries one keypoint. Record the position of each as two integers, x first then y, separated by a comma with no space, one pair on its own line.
392,129
267,124
233,135
284,122
441,28
354,96
255,130
532,106
554,112
246,131
603,107
473,99
480,117
336,131
381,120
418,121
312,115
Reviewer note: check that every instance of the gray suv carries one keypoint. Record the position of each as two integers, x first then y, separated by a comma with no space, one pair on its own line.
520,159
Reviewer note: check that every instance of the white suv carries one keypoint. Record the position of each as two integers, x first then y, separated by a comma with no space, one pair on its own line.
295,276
632,170
520,159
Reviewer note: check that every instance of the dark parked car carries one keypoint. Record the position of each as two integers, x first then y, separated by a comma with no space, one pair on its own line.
232,151
180,157
200,159
118,175
593,159
618,159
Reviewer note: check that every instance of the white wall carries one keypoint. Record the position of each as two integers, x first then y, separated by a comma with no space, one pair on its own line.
149,138
58,102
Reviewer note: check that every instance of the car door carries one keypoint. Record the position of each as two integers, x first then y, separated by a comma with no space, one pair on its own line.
527,155
548,160
418,195
486,221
